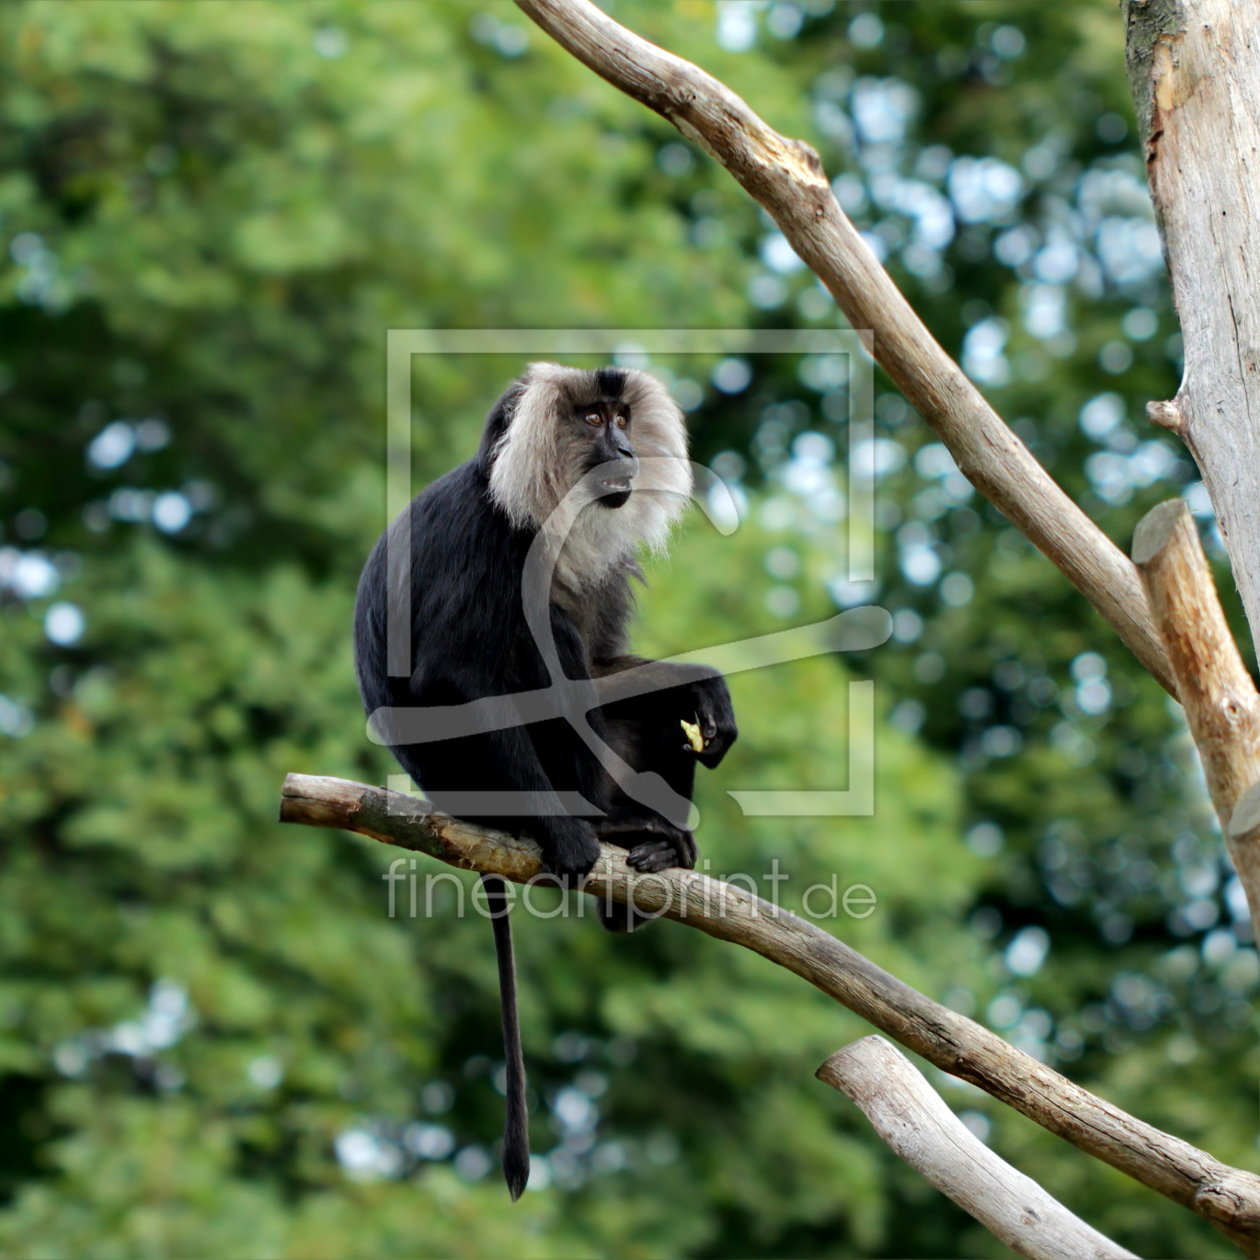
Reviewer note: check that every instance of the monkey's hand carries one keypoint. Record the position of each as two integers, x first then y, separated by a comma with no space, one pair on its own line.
714,718
569,848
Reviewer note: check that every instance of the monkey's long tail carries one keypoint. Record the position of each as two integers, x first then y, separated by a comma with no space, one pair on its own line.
516,1125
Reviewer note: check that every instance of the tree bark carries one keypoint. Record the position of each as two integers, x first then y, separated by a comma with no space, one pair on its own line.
914,1121
1195,72
1221,702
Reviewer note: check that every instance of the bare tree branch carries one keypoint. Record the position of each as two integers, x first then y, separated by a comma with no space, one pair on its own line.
914,1121
1228,1197
1194,66
787,178
1220,700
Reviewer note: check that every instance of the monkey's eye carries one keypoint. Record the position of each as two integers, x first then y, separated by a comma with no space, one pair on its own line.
622,420
593,417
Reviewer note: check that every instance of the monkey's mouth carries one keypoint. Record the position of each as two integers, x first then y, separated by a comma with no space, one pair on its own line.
614,486
611,480
615,494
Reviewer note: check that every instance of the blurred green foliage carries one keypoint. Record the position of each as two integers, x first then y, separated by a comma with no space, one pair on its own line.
213,1038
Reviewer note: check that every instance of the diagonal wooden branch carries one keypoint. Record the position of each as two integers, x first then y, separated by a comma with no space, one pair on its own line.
1228,1197
914,1121
787,178
1221,702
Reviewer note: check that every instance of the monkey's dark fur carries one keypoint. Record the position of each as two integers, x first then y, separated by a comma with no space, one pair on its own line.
588,466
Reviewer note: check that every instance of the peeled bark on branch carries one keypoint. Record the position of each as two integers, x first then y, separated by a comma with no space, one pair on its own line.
1228,1197
1221,702
787,178
912,1118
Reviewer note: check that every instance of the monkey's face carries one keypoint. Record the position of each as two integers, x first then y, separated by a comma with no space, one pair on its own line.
605,429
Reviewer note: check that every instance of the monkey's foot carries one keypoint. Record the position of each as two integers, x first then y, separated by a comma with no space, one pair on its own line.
659,854
570,849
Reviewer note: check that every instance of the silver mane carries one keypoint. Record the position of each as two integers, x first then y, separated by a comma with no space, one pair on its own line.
537,468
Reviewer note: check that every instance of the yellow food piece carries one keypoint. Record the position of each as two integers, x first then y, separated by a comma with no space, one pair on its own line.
692,732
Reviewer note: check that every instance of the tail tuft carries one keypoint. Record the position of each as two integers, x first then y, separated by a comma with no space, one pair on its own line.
515,1168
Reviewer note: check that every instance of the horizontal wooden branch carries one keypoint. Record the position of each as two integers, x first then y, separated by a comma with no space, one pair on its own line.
787,178
914,1121
1228,1197
1221,703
